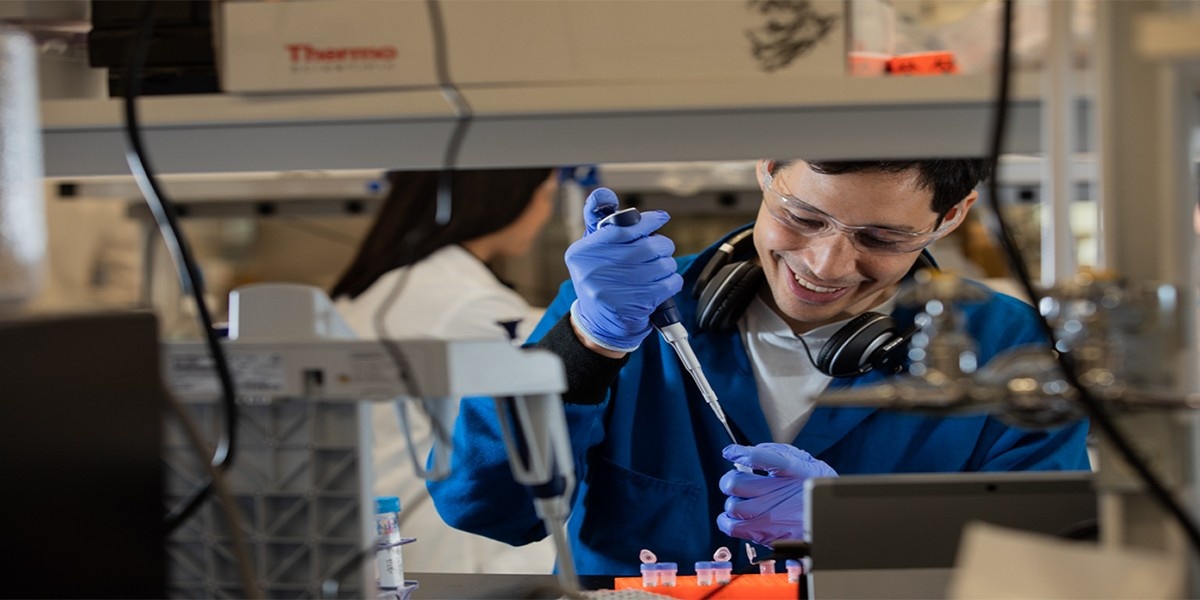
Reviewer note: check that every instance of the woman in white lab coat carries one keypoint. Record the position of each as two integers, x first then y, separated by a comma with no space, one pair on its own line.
433,280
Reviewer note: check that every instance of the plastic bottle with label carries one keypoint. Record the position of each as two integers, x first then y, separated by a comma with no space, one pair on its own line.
388,558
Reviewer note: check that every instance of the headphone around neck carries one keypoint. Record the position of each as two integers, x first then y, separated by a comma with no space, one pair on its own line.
730,280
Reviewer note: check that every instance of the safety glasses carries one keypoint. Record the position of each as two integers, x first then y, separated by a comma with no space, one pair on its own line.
811,222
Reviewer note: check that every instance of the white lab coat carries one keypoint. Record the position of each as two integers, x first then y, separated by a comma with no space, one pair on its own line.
450,295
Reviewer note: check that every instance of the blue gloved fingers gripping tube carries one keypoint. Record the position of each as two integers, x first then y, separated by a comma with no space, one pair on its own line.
776,459
743,482
761,531
745,486
746,509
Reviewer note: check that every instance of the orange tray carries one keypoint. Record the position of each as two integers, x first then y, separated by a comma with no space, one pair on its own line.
751,586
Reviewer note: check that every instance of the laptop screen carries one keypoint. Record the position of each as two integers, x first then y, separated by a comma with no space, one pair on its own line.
912,523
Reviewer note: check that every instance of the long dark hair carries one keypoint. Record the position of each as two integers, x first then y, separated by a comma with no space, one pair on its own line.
405,230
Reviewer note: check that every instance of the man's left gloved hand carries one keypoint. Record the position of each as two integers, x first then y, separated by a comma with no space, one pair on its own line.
767,508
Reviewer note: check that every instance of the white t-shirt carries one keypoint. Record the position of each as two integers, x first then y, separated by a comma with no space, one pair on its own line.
786,377
449,295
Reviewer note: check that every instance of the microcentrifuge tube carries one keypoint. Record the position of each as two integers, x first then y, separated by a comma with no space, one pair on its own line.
704,573
766,567
722,572
794,570
650,570
667,573
649,575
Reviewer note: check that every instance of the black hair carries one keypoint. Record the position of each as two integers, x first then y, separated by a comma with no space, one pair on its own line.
951,179
405,231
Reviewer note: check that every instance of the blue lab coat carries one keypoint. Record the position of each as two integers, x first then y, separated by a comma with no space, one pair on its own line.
648,458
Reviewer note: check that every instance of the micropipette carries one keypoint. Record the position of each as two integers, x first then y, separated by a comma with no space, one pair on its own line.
667,320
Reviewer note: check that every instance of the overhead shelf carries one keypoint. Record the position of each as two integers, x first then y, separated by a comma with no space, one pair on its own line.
531,125
592,82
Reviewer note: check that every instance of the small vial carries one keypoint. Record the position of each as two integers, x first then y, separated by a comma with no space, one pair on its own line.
649,568
388,559
667,573
704,573
794,570
766,567
649,575
722,572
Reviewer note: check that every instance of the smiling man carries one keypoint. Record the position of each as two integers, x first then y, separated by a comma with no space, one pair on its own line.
799,301
816,277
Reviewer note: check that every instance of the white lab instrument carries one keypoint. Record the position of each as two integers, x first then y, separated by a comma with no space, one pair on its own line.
287,342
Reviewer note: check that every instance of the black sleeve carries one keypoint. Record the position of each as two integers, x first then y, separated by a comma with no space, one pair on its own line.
589,375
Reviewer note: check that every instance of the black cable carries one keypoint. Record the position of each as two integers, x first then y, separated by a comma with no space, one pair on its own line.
462,109
1066,362
239,547
189,277
445,178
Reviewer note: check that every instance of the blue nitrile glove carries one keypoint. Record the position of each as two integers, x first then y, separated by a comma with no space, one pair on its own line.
766,508
621,274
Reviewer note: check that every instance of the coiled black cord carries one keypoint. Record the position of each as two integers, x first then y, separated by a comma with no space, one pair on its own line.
189,273
1066,362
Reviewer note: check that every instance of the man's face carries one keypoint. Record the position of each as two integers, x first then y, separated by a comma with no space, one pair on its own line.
814,281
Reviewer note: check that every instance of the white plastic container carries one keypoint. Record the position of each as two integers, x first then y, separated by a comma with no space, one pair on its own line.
388,558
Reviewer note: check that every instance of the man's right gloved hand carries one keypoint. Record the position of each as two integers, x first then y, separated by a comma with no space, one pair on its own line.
621,274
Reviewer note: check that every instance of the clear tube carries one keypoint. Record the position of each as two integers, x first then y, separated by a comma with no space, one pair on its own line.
667,573
795,570
722,572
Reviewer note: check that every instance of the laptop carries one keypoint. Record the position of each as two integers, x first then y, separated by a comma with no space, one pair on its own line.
896,536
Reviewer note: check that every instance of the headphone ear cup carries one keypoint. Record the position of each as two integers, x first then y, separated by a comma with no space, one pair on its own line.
739,243
714,265
848,352
727,295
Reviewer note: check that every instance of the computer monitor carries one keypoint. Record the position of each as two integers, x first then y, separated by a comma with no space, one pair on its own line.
897,536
